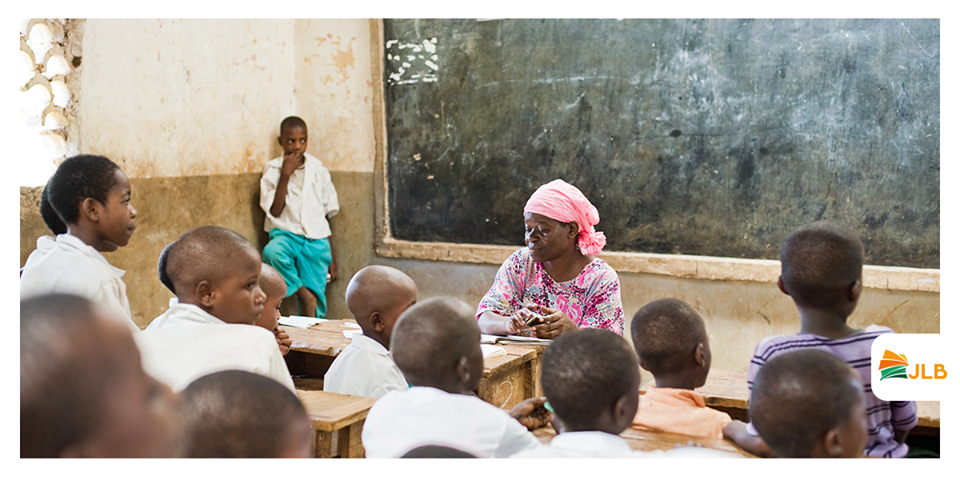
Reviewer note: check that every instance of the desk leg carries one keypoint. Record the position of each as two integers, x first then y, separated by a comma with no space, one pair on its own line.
324,444
349,443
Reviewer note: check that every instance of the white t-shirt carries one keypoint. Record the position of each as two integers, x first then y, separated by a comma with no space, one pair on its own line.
311,198
595,444
404,420
191,343
67,265
365,369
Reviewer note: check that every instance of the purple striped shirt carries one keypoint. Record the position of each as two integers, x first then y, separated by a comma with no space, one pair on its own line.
882,417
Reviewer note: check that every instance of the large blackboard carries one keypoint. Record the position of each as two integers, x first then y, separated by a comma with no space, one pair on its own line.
701,137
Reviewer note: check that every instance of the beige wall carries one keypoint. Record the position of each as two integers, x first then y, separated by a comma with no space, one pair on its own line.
190,111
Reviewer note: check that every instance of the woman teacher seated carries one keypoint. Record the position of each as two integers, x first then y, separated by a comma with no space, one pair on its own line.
556,276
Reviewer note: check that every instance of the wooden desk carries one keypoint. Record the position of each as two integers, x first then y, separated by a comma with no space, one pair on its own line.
335,414
507,379
649,441
727,391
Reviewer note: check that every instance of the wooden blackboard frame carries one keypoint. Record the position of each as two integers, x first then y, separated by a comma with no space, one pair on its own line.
683,266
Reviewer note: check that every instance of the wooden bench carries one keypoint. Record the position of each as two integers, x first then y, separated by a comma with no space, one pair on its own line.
338,415
648,441
507,379
727,391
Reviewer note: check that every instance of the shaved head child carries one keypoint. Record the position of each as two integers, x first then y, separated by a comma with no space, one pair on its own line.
810,404
215,275
298,197
376,296
436,344
590,379
83,392
274,288
671,343
821,270
237,414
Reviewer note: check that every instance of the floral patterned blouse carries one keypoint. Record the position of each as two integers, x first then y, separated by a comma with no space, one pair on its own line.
592,300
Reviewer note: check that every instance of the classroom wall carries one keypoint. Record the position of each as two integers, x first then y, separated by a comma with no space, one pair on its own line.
190,111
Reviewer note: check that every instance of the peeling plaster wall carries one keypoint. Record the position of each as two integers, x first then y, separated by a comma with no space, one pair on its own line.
166,98
198,104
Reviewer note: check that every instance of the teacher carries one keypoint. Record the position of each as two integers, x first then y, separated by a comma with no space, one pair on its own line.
556,276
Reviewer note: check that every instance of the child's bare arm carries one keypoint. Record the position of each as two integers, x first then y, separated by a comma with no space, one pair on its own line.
900,435
737,432
290,163
531,413
333,261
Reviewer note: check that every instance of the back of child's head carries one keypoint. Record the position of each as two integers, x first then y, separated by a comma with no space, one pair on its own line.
820,263
78,178
239,414
665,334
381,292
205,253
432,337
292,122
800,396
436,451
83,391
49,215
586,373
271,282
162,268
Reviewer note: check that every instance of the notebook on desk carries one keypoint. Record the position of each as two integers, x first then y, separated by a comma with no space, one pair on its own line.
512,340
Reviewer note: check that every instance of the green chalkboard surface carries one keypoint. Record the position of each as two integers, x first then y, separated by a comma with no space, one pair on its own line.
700,137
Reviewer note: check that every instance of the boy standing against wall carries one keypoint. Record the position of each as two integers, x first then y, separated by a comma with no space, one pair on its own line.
298,197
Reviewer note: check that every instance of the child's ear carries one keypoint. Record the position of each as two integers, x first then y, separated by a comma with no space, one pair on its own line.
624,412
90,209
698,355
781,286
377,323
833,444
205,294
463,370
855,290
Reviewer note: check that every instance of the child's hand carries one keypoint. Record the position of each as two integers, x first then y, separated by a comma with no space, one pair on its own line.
283,339
531,413
291,161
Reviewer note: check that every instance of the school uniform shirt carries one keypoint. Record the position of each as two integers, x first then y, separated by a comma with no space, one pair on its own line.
882,417
191,343
404,420
593,444
678,410
311,198
365,369
67,265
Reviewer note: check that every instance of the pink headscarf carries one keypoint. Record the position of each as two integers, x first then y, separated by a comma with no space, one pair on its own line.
565,203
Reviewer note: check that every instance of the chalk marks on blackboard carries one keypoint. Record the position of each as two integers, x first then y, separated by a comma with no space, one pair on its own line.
409,63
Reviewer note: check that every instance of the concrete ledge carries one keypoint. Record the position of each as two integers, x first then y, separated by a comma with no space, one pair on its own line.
684,266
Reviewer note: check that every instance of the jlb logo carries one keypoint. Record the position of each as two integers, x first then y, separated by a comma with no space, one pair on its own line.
895,365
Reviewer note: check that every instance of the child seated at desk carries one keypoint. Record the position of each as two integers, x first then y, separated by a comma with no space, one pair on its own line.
215,275
376,296
671,342
821,270
436,344
274,288
91,197
83,392
810,404
590,379
237,414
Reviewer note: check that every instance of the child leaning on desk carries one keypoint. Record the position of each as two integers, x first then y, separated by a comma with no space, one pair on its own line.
436,344
821,266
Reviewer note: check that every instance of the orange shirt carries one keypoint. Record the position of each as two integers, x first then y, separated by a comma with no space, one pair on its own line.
679,410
